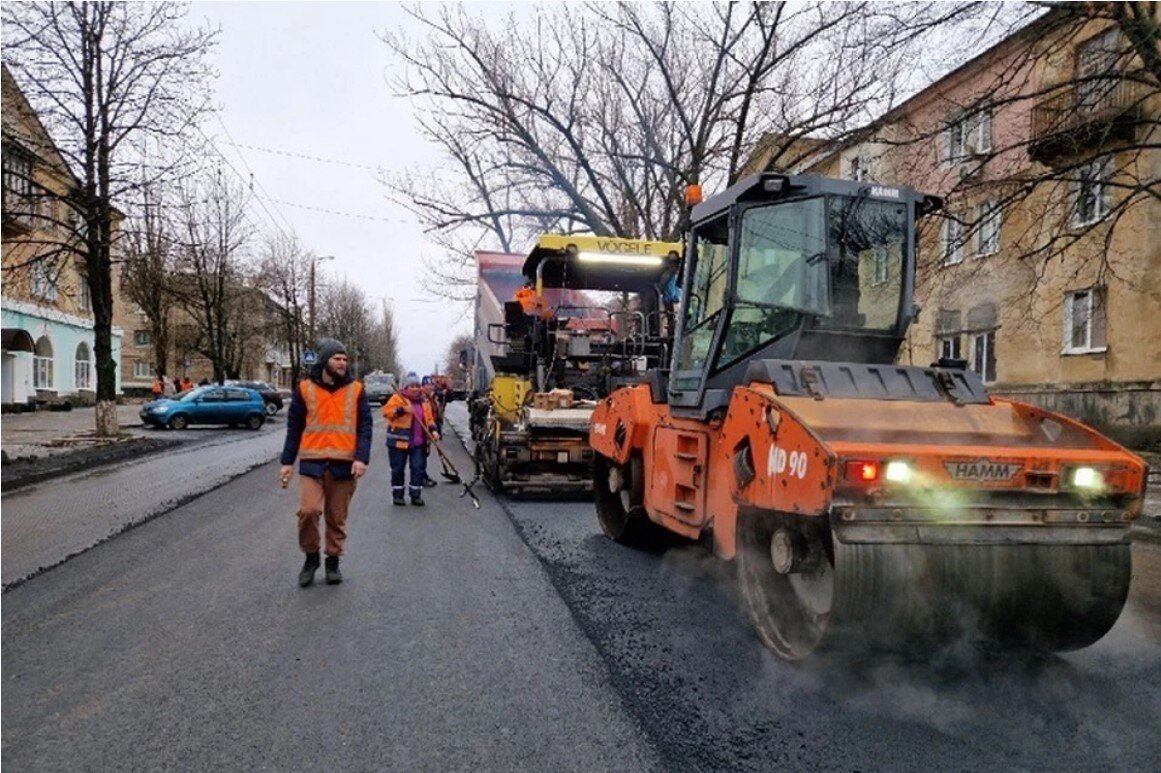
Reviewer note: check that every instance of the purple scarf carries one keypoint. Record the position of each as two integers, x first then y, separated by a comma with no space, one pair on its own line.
418,438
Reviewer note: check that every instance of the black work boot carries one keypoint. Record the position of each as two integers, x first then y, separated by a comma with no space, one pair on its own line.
334,577
417,501
398,498
428,483
306,576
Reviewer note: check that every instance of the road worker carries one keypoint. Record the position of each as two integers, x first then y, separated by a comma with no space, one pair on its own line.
532,302
328,428
409,412
158,387
186,383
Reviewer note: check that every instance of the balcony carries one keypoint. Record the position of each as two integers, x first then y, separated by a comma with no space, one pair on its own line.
1085,115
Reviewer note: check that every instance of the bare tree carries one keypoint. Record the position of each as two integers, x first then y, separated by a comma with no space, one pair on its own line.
383,342
148,271
101,75
453,357
284,273
602,126
344,314
211,278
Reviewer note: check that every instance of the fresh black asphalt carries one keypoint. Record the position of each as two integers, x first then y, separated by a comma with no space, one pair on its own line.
515,637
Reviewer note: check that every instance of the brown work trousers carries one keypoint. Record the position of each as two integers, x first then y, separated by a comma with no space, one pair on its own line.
327,496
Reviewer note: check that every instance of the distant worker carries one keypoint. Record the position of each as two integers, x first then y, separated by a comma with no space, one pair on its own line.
532,302
328,428
186,383
158,387
167,386
432,391
409,413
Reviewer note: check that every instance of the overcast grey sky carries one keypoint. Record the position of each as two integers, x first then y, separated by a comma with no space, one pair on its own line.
309,78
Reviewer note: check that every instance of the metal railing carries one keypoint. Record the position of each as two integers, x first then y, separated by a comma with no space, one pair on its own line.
1086,103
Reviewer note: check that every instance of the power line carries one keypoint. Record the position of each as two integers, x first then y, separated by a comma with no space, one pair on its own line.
253,177
341,214
307,157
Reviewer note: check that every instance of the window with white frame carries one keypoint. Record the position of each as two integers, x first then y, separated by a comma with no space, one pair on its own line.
1086,321
988,228
984,355
83,367
968,136
952,241
1090,191
42,365
142,369
1098,61
142,338
44,280
948,347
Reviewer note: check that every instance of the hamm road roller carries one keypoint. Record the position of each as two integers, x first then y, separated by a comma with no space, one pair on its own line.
864,502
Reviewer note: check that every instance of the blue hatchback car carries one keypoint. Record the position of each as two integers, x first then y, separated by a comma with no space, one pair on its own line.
207,405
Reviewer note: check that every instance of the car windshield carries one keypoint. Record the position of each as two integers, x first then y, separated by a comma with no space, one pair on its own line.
188,397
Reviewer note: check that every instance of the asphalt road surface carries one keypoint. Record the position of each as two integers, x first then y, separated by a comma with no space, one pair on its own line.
514,637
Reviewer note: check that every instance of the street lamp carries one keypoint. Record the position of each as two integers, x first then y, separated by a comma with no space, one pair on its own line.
310,297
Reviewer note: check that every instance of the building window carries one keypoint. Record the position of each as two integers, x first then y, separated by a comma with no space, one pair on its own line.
1090,193
984,355
17,174
948,347
142,338
952,240
1097,70
42,368
84,298
988,228
860,169
142,369
43,280
83,369
1085,321
968,136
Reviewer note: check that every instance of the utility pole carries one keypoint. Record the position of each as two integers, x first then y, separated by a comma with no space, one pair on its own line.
311,342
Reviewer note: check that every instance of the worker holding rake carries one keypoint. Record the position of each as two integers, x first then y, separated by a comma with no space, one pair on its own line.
411,421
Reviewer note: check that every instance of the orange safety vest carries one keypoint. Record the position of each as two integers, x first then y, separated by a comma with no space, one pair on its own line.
533,303
399,427
332,421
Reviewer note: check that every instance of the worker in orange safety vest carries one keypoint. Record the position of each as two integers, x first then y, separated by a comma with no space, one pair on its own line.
411,419
328,429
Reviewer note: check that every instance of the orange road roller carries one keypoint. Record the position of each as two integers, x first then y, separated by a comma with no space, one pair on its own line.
864,503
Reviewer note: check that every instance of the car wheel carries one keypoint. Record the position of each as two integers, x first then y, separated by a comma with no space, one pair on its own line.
178,422
271,409
255,421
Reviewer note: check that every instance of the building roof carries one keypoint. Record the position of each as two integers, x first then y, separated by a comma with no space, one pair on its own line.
30,133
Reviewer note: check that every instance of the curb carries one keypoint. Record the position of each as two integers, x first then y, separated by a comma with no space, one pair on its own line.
68,463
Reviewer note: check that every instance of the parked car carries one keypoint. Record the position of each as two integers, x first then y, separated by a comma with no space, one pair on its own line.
271,396
379,386
207,405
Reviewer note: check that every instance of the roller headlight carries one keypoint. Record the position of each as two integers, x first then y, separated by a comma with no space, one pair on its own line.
1087,478
898,472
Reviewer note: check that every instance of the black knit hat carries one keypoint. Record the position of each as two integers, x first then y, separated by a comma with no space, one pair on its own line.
327,348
